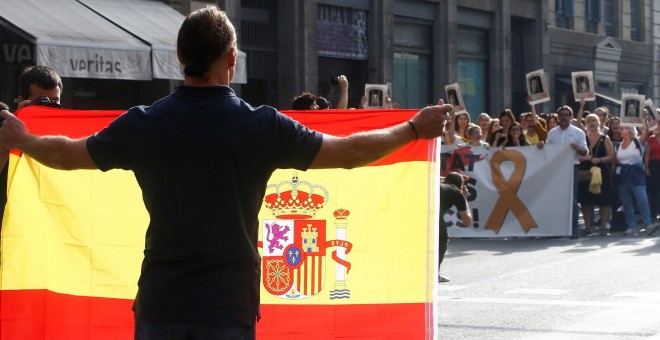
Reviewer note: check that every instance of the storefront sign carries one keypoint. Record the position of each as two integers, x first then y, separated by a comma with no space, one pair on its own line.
16,53
85,62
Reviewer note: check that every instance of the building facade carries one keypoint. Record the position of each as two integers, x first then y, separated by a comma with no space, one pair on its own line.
419,46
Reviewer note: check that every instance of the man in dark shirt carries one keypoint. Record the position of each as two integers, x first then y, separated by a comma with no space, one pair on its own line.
203,157
37,85
453,193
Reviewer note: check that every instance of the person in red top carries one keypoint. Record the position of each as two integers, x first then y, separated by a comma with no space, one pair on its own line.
652,166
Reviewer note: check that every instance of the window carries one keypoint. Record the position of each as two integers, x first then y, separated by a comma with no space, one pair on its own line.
412,81
412,63
592,15
636,20
564,13
611,18
341,32
473,68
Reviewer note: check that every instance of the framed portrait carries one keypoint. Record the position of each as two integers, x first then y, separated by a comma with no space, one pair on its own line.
632,106
653,117
454,97
376,95
537,87
583,86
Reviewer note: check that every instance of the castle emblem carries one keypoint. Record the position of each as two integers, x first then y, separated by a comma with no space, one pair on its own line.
294,245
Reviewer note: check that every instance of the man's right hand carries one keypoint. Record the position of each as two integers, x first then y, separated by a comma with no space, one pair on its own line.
11,130
430,121
23,104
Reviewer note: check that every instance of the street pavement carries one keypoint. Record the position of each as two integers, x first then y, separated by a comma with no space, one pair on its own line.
597,287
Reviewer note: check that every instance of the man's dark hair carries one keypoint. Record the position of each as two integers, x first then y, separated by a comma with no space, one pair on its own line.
567,108
455,179
323,103
205,35
303,101
41,76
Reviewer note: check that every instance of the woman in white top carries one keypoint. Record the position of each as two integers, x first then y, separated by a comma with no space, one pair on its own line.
630,179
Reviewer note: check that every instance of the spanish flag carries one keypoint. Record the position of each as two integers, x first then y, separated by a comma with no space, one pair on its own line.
346,254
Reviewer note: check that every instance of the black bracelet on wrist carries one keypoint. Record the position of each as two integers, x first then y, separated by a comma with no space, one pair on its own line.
412,125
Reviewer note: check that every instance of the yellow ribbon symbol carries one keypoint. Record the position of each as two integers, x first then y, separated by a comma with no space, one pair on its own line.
508,199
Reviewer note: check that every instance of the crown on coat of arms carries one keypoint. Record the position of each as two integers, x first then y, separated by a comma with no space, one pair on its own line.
341,214
295,199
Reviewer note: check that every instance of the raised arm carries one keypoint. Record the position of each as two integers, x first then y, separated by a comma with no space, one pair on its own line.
57,152
343,92
363,148
450,129
538,127
645,129
580,114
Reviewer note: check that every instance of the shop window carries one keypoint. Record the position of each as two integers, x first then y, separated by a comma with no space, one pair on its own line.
472,80
472,69
412,63
412,80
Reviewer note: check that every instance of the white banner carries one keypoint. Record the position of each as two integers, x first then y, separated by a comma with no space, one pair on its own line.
520,191
86,62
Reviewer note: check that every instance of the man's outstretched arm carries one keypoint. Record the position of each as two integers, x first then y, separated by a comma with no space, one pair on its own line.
363,148
59,152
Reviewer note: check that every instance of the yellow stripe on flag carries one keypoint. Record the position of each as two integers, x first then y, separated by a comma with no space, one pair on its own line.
74,232
98,251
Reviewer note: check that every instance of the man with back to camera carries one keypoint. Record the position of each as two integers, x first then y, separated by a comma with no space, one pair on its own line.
200,276
36,84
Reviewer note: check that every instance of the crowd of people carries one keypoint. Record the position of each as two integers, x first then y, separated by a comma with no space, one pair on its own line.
617,167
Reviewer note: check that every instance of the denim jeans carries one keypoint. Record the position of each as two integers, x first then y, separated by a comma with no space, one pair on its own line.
147,330
627,190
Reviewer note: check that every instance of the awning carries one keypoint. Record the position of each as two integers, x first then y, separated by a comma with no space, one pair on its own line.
107,39
240,71
157,24
607,97
76,42
154,22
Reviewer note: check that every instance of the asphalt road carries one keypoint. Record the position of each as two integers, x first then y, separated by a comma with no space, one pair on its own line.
591,288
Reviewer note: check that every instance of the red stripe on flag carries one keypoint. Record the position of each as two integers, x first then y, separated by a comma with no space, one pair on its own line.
42,120
41,314
379,321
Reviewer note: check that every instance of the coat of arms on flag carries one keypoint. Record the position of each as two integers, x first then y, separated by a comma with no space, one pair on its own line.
294,245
